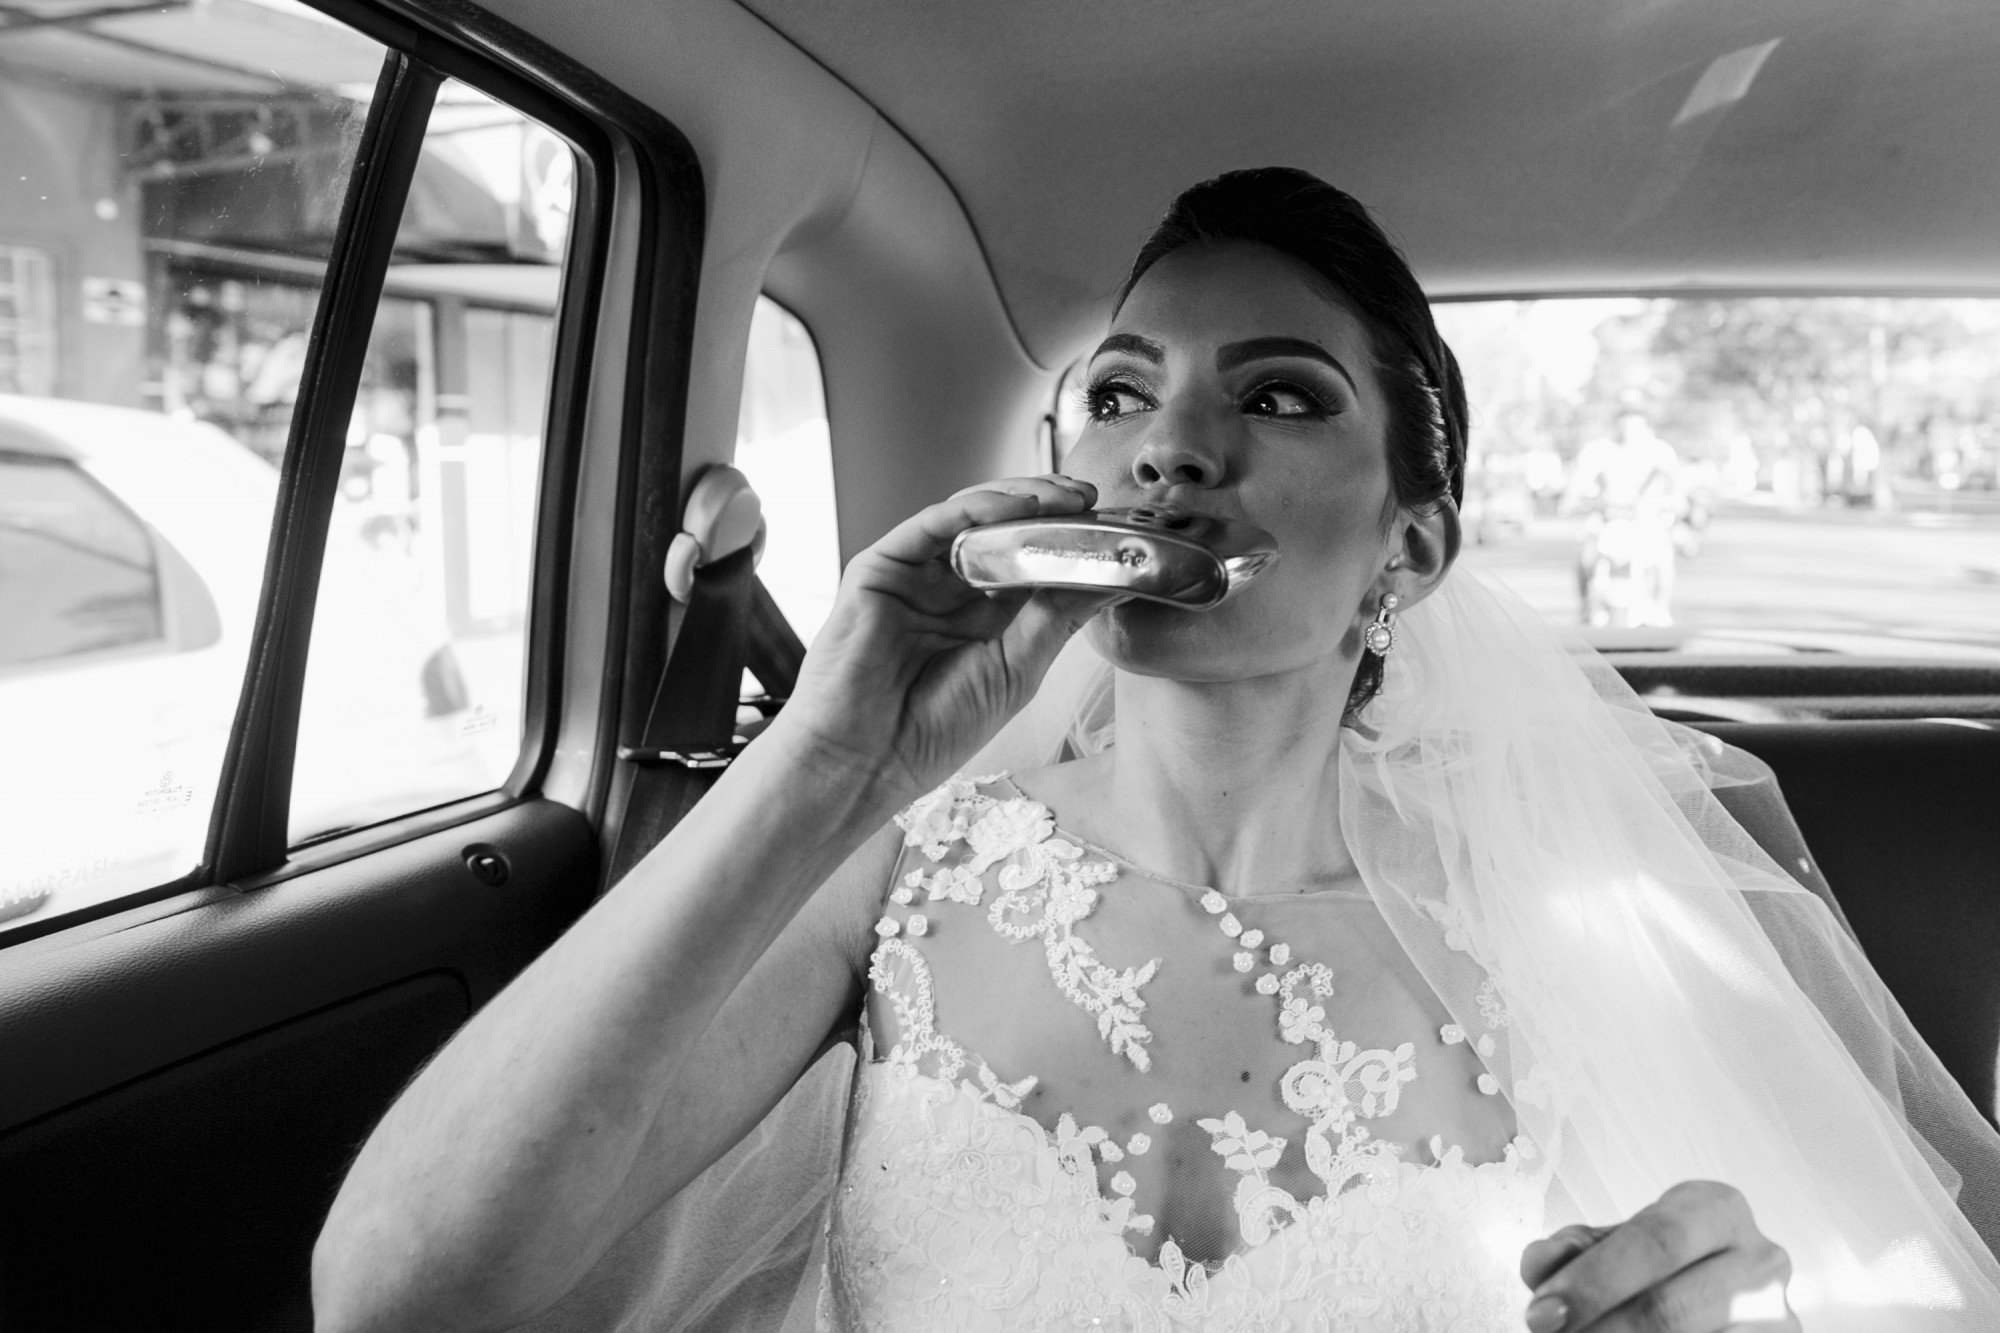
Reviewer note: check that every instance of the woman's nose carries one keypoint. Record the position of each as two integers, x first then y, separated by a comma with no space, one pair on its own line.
1177,453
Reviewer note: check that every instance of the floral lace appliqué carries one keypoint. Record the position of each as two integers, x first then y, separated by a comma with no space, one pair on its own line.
900,973
1047,885
1334,1090
935,821
917,1037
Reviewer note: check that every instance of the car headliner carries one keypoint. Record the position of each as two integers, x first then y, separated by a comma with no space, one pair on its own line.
1534,145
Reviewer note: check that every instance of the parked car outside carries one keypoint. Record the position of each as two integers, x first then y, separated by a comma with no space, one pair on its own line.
132,550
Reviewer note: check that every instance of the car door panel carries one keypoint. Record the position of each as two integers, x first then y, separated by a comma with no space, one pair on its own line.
256,1131
82,1018
183,1094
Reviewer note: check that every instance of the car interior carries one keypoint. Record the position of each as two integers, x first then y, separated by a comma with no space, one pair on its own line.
944,197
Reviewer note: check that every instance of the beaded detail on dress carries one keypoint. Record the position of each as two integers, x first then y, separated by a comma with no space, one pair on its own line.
959,1208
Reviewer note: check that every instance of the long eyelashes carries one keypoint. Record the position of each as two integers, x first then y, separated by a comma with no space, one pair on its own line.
1111,397
1308,403
1116,395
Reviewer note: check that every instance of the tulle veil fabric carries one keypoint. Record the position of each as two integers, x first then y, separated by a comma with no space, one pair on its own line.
1682,1008
1680,1005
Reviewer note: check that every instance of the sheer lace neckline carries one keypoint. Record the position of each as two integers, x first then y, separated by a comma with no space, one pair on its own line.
973,1188
1354,893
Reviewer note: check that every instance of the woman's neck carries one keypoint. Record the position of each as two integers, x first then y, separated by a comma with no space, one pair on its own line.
1234,784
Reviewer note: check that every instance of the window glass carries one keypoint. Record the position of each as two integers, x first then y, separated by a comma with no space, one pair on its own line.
173,176
414,685
782,446
80,573
1741,475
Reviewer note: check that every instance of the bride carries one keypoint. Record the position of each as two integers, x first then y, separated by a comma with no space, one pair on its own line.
1357,955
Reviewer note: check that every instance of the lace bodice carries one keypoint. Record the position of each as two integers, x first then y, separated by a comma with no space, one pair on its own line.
1094,1097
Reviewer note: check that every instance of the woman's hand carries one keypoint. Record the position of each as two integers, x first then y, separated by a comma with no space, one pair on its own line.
1693,1262
915,669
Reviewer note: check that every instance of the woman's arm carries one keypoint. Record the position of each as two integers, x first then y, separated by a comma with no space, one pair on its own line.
560,1115
587,1092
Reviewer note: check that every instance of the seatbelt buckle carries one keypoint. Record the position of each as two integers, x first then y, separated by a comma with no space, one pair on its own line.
707,755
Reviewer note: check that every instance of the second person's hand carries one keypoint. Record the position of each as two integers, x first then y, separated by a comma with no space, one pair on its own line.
915,669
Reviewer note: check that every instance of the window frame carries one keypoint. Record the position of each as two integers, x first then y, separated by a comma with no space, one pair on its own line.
634,171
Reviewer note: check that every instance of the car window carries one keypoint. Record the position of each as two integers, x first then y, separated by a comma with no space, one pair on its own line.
174,176
414,686
783,447
77,571
1738,475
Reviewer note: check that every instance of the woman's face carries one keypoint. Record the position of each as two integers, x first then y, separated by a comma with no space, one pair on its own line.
1231,385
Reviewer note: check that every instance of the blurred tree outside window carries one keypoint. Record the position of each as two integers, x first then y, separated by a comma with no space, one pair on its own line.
1833,473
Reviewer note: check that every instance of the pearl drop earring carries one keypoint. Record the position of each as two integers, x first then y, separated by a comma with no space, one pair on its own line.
1380,636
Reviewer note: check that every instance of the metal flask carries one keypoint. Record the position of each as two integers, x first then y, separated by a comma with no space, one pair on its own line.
1163,555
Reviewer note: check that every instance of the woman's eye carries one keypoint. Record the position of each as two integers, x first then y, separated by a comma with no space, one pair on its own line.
1110,401
1283,400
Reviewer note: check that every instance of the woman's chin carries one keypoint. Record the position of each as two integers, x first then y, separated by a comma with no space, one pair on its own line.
1153,639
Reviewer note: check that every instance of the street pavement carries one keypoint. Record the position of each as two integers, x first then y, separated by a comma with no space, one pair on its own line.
1920,584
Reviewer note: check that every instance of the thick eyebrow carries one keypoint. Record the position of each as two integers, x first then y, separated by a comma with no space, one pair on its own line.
1143,348
1232,355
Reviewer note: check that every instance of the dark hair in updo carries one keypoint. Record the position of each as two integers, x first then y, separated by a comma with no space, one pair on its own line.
1297,214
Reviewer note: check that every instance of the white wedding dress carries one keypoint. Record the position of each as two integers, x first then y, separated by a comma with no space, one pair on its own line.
1091,1097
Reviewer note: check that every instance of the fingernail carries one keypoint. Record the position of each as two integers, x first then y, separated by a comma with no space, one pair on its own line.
1547,1314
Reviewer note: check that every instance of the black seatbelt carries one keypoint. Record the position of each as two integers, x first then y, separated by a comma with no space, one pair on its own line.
691,732
772,650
